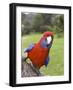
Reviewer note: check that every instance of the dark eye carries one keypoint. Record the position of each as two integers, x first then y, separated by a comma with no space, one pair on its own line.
45,39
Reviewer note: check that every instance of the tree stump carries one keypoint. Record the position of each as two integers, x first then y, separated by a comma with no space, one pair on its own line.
29,70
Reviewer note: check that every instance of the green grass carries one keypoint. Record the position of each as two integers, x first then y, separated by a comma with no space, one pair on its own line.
56,64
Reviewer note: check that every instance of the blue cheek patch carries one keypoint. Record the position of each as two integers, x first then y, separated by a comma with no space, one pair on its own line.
44,44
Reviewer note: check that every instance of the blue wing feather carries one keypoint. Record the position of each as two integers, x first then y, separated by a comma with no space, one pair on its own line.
31,46
47,61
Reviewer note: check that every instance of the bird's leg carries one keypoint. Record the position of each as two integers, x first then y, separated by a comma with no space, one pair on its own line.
24,58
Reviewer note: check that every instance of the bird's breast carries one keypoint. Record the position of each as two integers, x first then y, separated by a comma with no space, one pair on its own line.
38,55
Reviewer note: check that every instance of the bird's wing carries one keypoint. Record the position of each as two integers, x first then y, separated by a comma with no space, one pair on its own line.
47,61
30,47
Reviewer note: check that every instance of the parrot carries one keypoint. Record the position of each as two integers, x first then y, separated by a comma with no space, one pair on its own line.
38,53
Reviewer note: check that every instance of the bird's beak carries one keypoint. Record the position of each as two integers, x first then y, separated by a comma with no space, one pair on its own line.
49,39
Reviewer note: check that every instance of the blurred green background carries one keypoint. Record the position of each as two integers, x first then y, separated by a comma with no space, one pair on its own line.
33,25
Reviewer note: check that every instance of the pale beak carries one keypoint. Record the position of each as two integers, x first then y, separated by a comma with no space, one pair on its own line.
49,39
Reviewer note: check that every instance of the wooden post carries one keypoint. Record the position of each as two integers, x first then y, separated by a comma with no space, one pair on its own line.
29,70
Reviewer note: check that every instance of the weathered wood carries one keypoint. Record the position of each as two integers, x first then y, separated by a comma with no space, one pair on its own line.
29,70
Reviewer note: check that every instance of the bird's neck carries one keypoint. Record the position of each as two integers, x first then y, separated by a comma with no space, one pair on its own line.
41,40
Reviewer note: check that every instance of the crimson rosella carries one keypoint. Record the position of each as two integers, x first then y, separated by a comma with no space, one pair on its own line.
39,53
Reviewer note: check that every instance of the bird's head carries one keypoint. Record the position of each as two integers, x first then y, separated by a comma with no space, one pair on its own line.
47,39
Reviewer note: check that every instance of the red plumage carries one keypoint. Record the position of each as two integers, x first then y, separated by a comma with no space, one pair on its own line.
38,54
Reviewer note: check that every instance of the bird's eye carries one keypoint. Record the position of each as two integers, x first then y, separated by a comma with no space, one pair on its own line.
49,39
